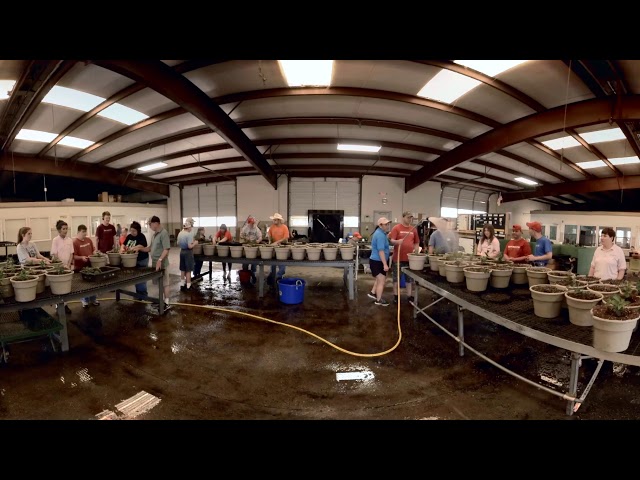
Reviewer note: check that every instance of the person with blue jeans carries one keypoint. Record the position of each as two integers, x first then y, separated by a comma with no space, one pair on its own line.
278,233
544,249
250,233
135,241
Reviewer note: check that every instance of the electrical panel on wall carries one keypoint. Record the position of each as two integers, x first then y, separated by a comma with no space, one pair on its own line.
498,220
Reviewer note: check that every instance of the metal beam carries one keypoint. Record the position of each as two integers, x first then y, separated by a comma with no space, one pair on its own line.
580,187
588,112
174,86
31,164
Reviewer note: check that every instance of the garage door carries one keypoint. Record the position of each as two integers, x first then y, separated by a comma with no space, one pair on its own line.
324,194
210,205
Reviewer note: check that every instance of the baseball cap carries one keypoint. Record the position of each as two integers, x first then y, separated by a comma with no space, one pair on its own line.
357,235
187,225
383,221
535,226
407,214
516,228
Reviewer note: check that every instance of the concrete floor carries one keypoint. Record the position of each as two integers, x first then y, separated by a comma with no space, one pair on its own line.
281,362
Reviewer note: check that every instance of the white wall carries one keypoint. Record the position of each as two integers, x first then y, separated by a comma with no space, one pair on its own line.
520,210
255,196
174,215
12,214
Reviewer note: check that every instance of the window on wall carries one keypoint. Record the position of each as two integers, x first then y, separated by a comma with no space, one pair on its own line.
570,234
623,237
588,237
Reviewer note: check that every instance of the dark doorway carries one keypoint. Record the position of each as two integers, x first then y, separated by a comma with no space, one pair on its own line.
326,226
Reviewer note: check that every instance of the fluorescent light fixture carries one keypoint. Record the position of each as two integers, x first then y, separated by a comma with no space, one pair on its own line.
526,181
75,142
560,143
600,136
302,73
5,87
490,67
594,164
358,148
153,166
122,114
71,98
39,136
447,86
35,135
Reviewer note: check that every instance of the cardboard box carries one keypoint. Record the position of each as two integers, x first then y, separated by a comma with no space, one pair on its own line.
105,197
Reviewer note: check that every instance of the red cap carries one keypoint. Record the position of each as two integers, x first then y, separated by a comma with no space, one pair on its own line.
516,228
535,226
357,235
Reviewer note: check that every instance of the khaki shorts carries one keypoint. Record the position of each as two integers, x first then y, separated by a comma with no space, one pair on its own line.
165,278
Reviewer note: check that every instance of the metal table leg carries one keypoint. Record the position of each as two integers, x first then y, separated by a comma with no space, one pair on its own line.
415,300
573,380
210,269
351,282
461,330
63,335
260,280
161,308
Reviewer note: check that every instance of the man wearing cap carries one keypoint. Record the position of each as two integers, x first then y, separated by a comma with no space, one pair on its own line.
159,252
379,260
544,250
278,232
517,249
250,233
186,242
404,237
442,240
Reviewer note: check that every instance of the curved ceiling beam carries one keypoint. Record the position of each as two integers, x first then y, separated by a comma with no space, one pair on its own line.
37,80
587,112
453,181
85,171
582,186
183,67
174,86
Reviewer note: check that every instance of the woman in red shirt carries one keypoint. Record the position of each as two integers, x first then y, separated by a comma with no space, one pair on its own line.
222,236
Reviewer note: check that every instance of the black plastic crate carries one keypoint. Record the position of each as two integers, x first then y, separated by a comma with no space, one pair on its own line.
105,272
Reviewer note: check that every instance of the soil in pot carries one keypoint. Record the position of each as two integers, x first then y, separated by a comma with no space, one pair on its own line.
612,281
588,278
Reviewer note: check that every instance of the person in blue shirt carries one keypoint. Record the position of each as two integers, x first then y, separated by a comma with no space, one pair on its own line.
379,260
544,250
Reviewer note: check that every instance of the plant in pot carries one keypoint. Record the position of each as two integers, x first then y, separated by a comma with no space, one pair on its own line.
114,256
629,292
454,270
434,257
477,277
613,324
588,278
6,289
604,289
501,271
128,258
24,286
40,274
547,299
251,250
55,260
537,275
98,259
580,302
417,261
60,280
556,276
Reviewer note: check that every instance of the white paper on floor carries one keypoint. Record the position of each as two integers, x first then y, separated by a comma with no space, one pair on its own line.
368,375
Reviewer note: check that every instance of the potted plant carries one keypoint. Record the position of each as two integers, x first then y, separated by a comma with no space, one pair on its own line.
223,249
604,289
40,274
198,248
556,276
347,251
266,251
6,289
98,259
629,291
547,299
329,250
251,250
454,270
519,274
114,256
537,275
417,261
299,251
60,280
477,277
128,259
282,251
314,251
580,303
613,324
501,272
588,278
207,248
433,259
24,286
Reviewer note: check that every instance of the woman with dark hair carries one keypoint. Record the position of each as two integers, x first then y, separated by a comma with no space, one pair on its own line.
488,245
136,240
608,261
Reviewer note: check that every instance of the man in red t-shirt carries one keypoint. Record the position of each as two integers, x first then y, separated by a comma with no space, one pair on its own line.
82,250
105,233
518,248
405,240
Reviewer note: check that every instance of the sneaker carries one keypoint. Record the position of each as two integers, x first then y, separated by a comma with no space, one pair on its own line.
85,304
229,276
382,302
67,309
189,286
371,295
95,302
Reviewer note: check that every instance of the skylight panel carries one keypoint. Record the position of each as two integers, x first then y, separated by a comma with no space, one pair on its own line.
304,73
358,148
5,87
593,164
600,136
75,142
46,137
490,67
563,142
122,114
71,98
624,160
447,86
153,166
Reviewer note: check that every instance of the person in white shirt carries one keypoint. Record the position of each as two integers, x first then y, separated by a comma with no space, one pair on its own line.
62,247
488,245
608,260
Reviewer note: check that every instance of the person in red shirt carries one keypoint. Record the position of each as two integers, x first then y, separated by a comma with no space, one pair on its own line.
82,250
518,249
222,236
405,240
105,233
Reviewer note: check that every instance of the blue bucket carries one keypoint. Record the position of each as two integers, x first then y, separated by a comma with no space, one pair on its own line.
291,290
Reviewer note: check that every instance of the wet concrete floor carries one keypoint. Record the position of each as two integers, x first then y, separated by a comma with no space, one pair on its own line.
288,361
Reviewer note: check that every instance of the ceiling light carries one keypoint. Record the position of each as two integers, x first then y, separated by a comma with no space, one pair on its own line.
304,73
153,166
526,181
358,148
5,87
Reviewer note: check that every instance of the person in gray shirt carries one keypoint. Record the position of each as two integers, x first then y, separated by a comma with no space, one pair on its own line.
443,240
159,252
